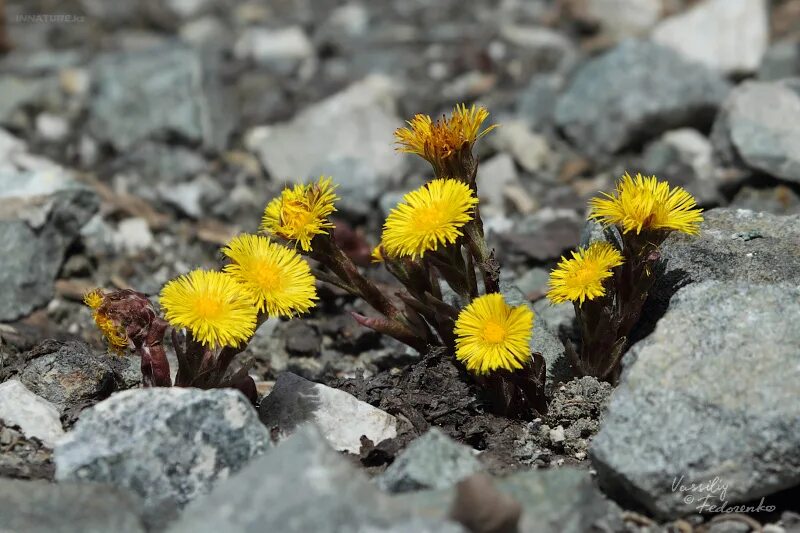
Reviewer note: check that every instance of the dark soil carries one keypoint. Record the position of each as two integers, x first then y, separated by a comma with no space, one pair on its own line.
436,392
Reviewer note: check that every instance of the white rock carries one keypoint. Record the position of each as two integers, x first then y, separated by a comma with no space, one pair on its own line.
624,18
494,175
557,435
133,235
34,415
529,149
283,48
341,418
51,127
730,35
357,123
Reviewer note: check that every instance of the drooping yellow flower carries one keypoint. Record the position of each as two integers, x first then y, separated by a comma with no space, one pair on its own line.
276,278
431,216
436,141
581,277
492,335
210,304
301,212
113,333
644,203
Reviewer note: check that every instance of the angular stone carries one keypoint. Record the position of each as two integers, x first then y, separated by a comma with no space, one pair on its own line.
301,485
759,127
729,35
341,418
37,506
432,461
710,399
168,445
357,123
34,415
634,92
172,89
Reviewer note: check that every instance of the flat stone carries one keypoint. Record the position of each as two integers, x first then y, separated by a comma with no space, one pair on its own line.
432,461
636,91
530,150
709,398
38,506
34,415
302,485
758,127
172,89
279,49
341,418
168,445
729,35
357,123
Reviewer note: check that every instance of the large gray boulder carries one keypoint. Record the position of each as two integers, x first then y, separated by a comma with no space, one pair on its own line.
636,91
758,127
168,445
169,90
706,412
42,209
41,507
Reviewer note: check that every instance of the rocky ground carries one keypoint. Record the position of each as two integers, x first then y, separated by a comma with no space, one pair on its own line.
137,137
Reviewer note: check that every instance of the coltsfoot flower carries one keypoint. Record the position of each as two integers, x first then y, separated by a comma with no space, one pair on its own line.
427,218
436,141
644,203
581,277
113,333
492,335
377,255
301,212
276,278
211,305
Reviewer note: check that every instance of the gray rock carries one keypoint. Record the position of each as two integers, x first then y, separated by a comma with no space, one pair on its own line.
494,176
281,50
706,409
558,500
150,164
622,18
139,95
17,93
302,485
168,445
357,123
537,102
432,461
24,457
780,200
759,127
782,60
533,283
635,91
35,416
357,188
341,418
41,507
530,150
729,35
41,212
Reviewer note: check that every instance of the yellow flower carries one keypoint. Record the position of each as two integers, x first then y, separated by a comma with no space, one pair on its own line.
436,141
646,203
428,217
492,335
113,333
377,254
581,278
301,212
276,278
211,305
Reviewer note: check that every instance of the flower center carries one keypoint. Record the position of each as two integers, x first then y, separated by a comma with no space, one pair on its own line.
295,216
494,332
267,277
428,218
208,308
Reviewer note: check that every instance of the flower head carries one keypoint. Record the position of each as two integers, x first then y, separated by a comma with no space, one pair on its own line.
301,212
428,217
492,335
276,278
436,141
645,203
581,278
112,330
210,304
377,254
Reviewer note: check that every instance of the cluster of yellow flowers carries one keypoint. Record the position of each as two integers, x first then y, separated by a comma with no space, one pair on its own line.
112,332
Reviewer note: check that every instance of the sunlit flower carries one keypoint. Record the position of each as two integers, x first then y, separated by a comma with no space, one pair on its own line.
427,218
113,333
581,277
210,304
301,212
644,203
276,278
436,141
492,335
